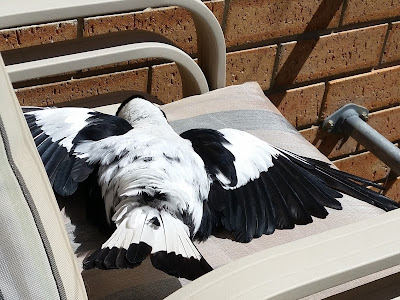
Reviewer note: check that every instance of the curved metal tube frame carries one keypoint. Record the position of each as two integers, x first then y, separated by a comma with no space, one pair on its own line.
193,78
210,39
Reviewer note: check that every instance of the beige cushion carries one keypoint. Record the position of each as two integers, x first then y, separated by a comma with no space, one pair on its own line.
243,107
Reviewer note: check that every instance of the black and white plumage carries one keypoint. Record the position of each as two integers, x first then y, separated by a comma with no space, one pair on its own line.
163,190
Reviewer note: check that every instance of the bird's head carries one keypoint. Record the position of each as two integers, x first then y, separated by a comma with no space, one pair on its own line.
136,109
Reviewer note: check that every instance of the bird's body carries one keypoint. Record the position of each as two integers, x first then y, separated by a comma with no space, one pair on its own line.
162,190
148,164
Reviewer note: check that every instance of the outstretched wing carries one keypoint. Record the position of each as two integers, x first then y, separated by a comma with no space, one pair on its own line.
258,188
58,131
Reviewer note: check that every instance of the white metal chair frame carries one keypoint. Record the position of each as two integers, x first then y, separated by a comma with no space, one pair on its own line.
210,39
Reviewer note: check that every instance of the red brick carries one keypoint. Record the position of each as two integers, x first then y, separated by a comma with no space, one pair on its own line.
386,122
166,82
330,55
332,145
367,10
251,65
374,90
66,91
392,48
217,7
176,24
37,35
393,189
257,20
300,106
121,66
106,24
365,165
8,39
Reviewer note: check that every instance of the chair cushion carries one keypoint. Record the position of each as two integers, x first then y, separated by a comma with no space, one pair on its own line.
243,107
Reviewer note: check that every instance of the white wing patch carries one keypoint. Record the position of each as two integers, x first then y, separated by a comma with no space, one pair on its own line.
62,124
252,156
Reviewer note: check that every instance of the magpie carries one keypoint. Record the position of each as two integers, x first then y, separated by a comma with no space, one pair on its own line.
163,190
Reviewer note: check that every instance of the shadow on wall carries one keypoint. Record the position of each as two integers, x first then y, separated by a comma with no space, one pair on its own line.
290,69
302,50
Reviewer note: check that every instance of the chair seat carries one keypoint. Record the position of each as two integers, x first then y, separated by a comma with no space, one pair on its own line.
243,107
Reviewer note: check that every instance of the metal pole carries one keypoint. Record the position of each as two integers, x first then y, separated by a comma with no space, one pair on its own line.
373,141
348,120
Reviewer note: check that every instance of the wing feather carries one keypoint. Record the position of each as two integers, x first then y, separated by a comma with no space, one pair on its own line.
292,193
283,219
289,189
260,207
58,131
39,139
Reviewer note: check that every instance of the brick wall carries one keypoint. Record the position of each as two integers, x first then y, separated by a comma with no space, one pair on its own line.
310,56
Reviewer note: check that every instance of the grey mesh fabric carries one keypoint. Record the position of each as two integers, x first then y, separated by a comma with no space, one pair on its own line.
36,260
242,107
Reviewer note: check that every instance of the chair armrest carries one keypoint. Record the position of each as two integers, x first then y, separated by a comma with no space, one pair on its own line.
193,80
36,258
210,39
306,266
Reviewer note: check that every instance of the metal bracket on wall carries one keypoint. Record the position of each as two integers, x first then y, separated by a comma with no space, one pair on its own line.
350,120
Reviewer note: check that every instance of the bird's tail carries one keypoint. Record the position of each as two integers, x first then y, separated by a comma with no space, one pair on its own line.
144,231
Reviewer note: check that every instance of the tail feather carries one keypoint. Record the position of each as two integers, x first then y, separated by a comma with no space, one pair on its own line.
144,231
110,259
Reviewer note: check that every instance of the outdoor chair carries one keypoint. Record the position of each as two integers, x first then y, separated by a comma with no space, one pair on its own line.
41,249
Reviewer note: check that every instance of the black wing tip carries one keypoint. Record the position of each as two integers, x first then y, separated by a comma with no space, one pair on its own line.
344,182
384,202
179,266
358,187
